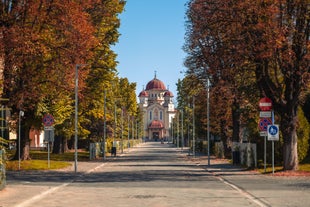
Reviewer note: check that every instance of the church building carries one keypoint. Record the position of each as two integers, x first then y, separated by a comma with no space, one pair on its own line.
158,110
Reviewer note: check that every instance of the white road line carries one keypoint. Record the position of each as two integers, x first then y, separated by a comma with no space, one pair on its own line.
242,192
40,196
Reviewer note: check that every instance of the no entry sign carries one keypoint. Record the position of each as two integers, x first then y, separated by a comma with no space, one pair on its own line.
265,104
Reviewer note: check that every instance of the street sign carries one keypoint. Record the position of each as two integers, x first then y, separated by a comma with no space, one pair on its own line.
263,133
265,114
48,120
49,135
265,104
263,123
48,128
273,132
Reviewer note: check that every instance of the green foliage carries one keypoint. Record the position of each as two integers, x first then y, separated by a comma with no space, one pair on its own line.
303,134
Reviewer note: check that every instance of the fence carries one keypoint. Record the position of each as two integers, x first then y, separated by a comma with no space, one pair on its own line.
2,169
95,149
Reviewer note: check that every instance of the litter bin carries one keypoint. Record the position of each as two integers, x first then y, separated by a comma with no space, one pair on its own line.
236,157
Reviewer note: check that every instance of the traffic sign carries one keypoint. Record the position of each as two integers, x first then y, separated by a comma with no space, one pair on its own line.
48,120
263,123
265,114
48,128
265,104
273,132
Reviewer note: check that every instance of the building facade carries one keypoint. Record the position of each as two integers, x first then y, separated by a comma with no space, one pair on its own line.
156,104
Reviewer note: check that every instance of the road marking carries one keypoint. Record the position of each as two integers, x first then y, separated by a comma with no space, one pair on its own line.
241,191
94,169
41,195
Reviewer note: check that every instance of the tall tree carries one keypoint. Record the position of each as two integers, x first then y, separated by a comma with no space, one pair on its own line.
103,74
40,43
269,38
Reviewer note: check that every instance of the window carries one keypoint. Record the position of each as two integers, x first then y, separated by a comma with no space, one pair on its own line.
150,115
161,115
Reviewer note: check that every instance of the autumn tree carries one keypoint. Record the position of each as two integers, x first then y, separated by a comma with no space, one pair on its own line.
269,39
209,37
40,43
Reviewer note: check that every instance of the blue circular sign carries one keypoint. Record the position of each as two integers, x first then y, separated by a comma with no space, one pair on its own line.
273,130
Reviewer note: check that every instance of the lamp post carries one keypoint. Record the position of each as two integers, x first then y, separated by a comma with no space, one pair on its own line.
128,135
122,128
178,131
76,116
208,120
194,127
104,125
21,113
182,130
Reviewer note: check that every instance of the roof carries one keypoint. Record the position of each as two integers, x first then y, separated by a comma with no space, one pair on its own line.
168,93
143,94
156,124
155,84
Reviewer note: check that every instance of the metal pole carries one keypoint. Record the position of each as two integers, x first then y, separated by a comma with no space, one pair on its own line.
114,123
76,118
208,119
137,134
182,130
122,128
265,153
128,120
2,123
133,130
272,157
48,149
104,124
172,132
194,126
20,113
178,131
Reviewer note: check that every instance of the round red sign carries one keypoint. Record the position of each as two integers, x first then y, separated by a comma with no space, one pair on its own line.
265,104
48,120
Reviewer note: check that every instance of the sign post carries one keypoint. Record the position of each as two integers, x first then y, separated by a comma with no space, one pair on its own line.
265,105
48,121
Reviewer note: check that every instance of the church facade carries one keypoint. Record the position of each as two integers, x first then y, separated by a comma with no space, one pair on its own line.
158,110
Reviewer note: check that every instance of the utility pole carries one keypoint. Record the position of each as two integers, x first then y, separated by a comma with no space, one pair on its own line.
104,124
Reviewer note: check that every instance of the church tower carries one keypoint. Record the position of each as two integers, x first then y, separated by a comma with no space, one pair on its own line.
157,108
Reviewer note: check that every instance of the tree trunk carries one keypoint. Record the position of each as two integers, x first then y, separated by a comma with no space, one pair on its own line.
290,153
57,148
24,144
236,121
65,144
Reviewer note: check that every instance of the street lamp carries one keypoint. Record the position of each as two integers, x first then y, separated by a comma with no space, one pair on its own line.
21,113
104,124
76,116
182,130
208,119
194,127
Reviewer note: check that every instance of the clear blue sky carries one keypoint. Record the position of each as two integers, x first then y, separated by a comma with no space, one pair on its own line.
152,37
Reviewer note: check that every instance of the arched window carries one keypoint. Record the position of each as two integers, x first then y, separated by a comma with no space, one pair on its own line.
161,115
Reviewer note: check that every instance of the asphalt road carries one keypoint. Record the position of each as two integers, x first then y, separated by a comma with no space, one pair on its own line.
153,175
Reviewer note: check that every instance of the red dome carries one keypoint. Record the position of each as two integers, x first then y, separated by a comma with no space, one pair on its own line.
155,124
143,94
168,94
155,84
